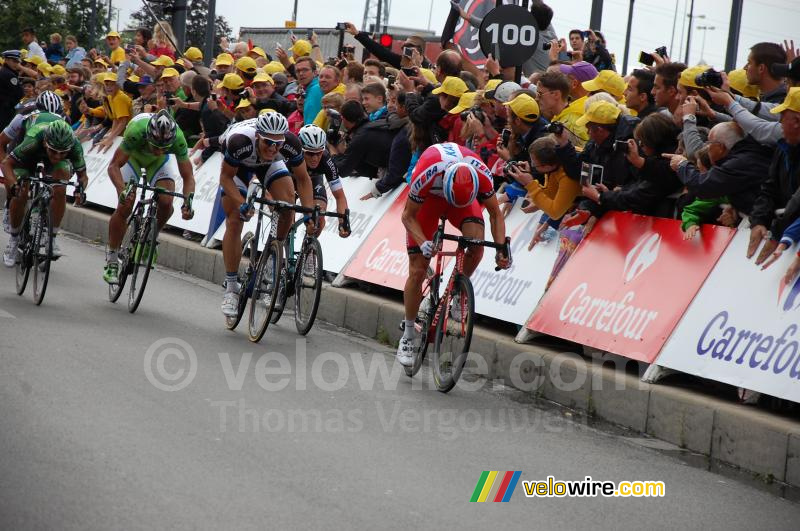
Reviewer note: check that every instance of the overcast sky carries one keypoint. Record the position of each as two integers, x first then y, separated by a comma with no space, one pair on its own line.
652,21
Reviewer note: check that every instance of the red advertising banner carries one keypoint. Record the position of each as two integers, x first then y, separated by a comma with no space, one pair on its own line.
628,284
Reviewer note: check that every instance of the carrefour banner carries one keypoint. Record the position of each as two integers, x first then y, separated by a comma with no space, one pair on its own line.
628,284
743,328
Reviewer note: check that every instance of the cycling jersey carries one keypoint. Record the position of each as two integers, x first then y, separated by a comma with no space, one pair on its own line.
32,151
239,144
244,150
428,173
326,169
22,122
135,145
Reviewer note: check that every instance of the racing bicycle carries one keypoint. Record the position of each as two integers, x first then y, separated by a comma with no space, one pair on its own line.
35,244
139,245
451,338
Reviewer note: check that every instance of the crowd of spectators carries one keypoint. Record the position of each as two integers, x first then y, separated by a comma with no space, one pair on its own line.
573,138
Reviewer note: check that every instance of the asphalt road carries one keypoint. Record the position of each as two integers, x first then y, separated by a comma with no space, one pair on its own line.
88,441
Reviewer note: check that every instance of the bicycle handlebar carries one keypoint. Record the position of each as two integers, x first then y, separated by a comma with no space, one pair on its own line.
504,248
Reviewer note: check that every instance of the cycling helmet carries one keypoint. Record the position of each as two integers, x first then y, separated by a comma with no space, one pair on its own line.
312,138
460,184
58,136
271,123
161,129
48,101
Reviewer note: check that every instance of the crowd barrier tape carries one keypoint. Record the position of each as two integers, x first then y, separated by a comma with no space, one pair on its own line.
101,191
628,284
743,327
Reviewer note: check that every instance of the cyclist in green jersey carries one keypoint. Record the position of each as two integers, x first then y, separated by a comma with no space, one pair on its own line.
148,142
55,145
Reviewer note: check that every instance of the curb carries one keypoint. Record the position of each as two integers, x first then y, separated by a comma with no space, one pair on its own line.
759,442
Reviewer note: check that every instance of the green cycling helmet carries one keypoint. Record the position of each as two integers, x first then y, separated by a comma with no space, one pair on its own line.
58,136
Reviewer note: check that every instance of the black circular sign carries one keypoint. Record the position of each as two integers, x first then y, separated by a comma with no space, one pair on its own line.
510,34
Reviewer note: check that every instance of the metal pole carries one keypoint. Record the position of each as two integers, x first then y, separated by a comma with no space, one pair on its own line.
733,35
179,23
211,28
430,16
627,39
689,33
109,15
596,18
683,29
674,23
378,19
294,11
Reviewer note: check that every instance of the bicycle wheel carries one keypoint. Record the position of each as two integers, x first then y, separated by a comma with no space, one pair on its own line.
285,281
452,338
245,280
42,249
142,265
265,290
125,259
308,285
24,256
423,325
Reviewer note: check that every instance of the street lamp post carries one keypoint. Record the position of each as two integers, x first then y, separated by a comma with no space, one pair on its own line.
705,30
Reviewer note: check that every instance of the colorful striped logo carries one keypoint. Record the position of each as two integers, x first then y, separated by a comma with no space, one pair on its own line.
496,486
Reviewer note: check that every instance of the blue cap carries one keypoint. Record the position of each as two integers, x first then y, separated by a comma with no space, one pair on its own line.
145,80
12,54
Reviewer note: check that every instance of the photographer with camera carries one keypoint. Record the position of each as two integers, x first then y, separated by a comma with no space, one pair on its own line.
367,149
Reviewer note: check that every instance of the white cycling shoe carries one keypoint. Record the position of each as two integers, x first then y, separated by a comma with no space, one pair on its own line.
230,304
405,352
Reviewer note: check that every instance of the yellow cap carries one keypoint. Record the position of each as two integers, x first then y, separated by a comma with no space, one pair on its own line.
181,61
101,62
300,48
452,86
466,101
112,34
107,76
133,78
244,102
246,64
163,60
265,111
274,67
224,59
263,78
59,70
492,84
791,103
232,82
193,54
606,81
44,68
35,59
258,51
738,82
169,72
525,107
600,112
688,75
429,75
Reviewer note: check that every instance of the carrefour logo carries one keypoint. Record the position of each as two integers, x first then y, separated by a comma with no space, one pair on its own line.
641,257
789,295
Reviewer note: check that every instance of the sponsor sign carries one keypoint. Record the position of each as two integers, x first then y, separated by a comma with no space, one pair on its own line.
628,284
743,328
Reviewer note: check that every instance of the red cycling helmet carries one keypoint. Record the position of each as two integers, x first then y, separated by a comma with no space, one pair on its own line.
460,184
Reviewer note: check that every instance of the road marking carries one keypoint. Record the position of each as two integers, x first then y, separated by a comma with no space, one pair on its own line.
5,315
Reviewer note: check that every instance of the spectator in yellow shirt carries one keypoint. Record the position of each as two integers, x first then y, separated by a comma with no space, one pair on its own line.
116,107
553,94
116,51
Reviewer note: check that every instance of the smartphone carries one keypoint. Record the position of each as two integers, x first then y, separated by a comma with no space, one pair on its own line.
410,72
597,174
408,51
662,51
278,45
341,26
391,81
309,33
505,136
291,34
646,59
591,174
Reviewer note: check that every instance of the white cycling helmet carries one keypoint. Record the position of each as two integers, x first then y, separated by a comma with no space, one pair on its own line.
271,123
48,101
312,137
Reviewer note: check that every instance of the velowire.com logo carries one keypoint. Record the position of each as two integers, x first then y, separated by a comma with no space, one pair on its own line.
496,486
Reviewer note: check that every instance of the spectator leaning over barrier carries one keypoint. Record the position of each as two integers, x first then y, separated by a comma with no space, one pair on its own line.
246,69
738,166
762,56
609,82
526,125
639,93
116,108
433,111
367,150
577,73
552,94
665,87
399,154
780,189
266,97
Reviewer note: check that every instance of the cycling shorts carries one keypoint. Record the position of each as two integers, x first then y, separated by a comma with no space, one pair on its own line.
433,208
157,172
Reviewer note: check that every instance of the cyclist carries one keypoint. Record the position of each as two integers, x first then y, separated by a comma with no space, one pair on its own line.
320,164
56,146
448,180
48,108
256,148
148,142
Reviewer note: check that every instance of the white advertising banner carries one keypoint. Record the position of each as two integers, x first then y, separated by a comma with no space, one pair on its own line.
743,327
511,295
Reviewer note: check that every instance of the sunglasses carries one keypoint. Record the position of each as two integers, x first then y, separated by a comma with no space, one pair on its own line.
58,151
269,142
313,153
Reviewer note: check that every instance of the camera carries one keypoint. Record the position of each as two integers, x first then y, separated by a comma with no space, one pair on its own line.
510,164
310,33
555,127
408,51
505,136
646,59
621,145
341,26
546,45
662,51
709,78
130,48
167,95
410,72
475,111
391,80
334,124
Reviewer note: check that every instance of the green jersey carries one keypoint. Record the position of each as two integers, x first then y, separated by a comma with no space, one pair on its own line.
32,150
136,146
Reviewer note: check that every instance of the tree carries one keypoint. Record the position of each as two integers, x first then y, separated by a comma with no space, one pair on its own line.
195,22
44,16
79,16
